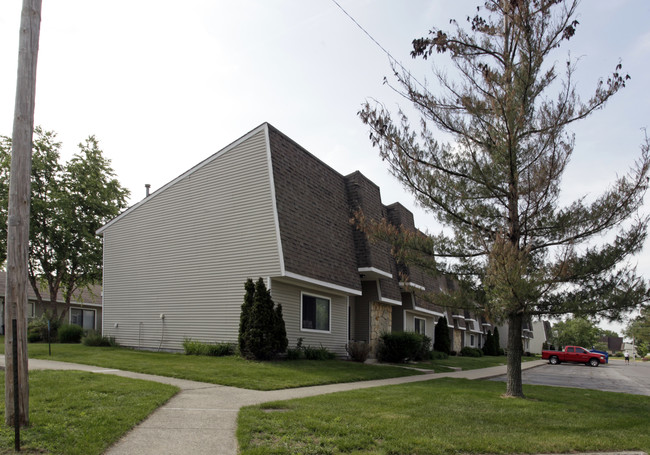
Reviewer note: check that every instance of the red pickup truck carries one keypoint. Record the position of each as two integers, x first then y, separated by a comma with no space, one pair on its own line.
574,354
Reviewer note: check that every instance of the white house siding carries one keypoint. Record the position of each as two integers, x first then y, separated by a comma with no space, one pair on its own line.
186,252
289,295
409,323
539,338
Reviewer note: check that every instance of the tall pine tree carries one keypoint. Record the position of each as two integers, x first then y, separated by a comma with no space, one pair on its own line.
518,250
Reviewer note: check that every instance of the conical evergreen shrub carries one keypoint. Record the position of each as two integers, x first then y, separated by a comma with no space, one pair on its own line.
262,333
280,332
441,342
244,318
497,345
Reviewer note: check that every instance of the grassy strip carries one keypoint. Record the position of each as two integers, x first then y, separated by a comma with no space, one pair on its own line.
72,412
467,363
231,371
448,416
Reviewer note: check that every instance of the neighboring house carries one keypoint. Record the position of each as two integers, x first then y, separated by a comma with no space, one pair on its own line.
614,344
533,335
85,308
176,262
540,336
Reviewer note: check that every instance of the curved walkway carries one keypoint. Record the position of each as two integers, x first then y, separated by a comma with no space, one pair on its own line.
202,418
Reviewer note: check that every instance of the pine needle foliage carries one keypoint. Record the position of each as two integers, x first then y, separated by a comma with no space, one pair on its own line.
262,333
441,341
507,104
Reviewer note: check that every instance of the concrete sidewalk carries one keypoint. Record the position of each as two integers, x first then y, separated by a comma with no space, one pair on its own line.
202,418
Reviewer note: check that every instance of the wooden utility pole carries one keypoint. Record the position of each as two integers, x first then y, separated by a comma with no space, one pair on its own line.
18,219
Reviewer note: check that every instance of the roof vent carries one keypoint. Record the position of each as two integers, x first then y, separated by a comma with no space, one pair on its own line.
147,186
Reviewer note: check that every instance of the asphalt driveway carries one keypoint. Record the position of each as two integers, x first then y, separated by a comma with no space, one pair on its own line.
615,376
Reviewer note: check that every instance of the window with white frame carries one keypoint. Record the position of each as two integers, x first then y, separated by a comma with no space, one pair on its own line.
84,318
420,325
316,313
471,340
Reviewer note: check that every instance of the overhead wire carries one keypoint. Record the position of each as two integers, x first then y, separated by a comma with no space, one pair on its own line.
392,59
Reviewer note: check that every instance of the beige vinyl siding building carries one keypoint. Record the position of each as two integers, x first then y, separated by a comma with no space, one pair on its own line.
85,307
175,263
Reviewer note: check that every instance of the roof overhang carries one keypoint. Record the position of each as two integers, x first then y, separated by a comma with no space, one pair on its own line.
404,284
373,273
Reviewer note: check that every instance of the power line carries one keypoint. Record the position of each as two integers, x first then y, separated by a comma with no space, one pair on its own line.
392,59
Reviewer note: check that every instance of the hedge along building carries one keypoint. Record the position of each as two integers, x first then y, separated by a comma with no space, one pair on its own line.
176,262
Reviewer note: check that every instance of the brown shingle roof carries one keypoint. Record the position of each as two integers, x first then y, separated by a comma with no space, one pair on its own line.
313,214
89,296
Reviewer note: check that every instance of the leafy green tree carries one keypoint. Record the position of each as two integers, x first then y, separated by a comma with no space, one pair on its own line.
70,201
576,332
517,251
441,341
638,330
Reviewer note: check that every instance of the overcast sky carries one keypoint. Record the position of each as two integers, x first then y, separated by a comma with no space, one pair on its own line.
164,84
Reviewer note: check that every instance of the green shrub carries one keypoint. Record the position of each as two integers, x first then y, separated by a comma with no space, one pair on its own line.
297,352
435,355
220,349
262,333
37,329
358,350
497,347
294,354
192,347
468,351
441,342
70,333
397,347
93,338
318,353
309,353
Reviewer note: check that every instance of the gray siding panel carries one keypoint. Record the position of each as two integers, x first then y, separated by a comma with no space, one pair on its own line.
289,296
187,251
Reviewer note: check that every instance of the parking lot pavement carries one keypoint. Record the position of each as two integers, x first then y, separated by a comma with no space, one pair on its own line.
615,376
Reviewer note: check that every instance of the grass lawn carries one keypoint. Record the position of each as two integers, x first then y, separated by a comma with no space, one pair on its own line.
72,412
448,416
467,363
231,371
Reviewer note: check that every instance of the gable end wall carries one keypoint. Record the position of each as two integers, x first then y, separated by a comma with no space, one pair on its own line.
186,253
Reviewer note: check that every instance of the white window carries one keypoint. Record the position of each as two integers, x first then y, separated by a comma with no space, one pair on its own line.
471,340
316,313
420,326
84,318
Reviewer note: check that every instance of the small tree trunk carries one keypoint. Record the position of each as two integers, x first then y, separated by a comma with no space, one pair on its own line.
514,386
18,220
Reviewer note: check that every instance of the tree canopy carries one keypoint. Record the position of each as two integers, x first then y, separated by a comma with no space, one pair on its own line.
576,332
638,330
507,104
69,202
